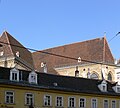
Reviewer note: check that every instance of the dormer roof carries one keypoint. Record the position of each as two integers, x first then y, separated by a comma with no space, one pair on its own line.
57,82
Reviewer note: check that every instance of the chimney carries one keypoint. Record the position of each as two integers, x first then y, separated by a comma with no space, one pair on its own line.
115,62
17,54
44,66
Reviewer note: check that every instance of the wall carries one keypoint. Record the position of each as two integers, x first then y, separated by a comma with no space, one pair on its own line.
39,94
83,70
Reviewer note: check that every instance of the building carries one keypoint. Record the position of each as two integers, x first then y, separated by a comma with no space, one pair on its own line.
30,89
117,72
14,53
96,51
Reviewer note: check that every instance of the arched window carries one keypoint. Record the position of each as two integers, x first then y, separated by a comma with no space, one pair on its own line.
109,76
94,76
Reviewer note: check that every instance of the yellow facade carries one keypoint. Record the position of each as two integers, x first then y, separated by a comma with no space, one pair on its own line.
19,97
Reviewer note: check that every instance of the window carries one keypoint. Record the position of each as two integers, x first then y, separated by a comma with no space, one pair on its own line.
109,76
105,104
33,77
71,102
47,100
82,102
94,76
103,86
29,99
113,104
76,73
9,97
94,103
14,75
119,104
118,89
59,101
118,75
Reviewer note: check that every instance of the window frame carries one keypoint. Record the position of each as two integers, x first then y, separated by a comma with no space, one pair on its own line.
84,102
29,103
112,104
94,75
50,99
92,103
14,74
33,77
70,106
104,103
59,103
118,89
13,97
109,76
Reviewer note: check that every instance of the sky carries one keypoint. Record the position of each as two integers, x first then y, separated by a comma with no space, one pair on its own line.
43,24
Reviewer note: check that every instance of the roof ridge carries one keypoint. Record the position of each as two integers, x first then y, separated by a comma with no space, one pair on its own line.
6,34
69,44
105,48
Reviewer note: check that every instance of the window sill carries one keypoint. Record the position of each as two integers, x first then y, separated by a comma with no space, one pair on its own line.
9,103
47,106
59,107
71,107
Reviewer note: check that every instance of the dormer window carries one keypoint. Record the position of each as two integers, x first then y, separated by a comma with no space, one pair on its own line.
33,77
103,86
116,88
14,74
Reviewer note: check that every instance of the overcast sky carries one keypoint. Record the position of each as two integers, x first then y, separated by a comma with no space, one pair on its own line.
42,24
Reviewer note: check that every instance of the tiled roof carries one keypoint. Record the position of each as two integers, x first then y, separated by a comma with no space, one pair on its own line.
57,82
93,50
10,50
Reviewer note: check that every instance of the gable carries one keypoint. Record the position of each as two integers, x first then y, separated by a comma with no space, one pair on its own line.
13,46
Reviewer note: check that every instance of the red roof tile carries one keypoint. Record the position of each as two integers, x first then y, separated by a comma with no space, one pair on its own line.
10,50
93,50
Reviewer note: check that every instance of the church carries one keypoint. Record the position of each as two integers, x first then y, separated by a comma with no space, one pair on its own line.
96,60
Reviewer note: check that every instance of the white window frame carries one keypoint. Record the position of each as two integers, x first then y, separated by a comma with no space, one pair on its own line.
104,103
95,103
58,104
119,103
33,77
9,96
112,104
69,102
32,97
83,102
49,102
14,72
118,89
103,86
